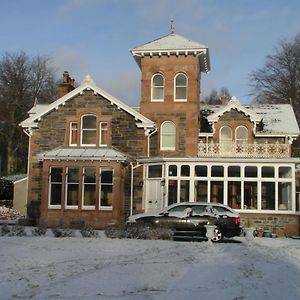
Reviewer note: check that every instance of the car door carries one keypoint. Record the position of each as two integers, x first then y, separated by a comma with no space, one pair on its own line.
197,218
175,217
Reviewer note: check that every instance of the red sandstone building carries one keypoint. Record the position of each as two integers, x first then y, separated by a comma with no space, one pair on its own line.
95,160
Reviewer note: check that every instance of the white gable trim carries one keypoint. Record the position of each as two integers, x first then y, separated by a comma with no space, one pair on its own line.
87,84
233,104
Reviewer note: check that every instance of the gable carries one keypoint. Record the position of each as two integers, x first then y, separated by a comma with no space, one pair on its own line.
86,85
235,115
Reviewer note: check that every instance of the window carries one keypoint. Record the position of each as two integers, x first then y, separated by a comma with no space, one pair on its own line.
234,194
285,172
284,195
241,135
155,171
172,194
250,171
172,170
217,191
180,92
201,171
106,188
201,191
225,139
88,130
268,195
185,170
234,171
72,187
89,187
267,172
168,136
217,171
55,186
103,140
250,195
157,87
73,133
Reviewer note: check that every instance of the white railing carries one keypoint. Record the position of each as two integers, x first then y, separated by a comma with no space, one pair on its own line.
243,150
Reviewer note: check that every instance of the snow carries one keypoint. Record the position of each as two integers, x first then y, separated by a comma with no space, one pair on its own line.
103,268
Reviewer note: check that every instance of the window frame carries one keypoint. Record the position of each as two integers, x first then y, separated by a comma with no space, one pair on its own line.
87,129
83,183
106,133
162,135
67,183
158,86
71,133
242,141
180,86
101,169
50,183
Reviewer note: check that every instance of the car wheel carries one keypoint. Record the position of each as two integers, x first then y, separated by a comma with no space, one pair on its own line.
218,237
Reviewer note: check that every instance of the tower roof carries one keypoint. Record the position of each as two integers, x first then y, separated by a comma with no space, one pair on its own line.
173,44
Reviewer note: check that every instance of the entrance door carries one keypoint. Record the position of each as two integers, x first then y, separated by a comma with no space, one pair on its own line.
153,195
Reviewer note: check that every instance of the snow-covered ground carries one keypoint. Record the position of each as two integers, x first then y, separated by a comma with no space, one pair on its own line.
103,268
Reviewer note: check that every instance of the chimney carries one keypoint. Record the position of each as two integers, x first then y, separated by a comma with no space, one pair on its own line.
223,100
66,86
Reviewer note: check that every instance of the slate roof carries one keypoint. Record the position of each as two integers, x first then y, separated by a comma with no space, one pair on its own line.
277,119
173,44
82,153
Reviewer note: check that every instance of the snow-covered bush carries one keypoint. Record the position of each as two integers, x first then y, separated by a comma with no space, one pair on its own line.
38,231
62,232
139,231
5,230
89,232
17,230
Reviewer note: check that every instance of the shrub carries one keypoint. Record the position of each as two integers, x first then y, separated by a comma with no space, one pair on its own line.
18,230
5,230
6,189
38,231
139,231
62,232
89,232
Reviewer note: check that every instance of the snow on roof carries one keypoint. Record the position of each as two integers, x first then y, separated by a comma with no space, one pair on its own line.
82,153
277,118
86,84
37,108
173,44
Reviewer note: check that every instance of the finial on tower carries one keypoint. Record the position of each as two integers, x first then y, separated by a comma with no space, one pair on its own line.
172,26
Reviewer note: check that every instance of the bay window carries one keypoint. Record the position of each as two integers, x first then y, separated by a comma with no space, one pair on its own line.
89,187
55,186
106,188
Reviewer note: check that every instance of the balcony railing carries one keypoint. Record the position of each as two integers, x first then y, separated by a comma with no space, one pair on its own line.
243,150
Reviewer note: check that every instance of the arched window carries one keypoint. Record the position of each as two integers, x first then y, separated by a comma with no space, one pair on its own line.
168,136
180,87
225,139
157,87
241,135
88,130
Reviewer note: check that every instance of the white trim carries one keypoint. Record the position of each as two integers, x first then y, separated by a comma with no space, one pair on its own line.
66,188
70,134
81,130
87,207
56,206
101,207
161,137
100,133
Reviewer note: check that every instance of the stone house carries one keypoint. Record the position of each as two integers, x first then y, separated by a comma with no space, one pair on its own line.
95,160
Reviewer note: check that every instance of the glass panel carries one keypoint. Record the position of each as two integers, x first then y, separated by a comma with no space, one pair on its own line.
284,196
234,194
106,195
107,176
217,171
217,191
201,191
72,194
250,195
201,171
226,133
74,130
181,93
55,194
234,171
155,171
103,133
184,190
158,93
268,195
89,137
185,170
89,194
173,188
168,135
285,172
73,175
242,135
180,80
89,122
168,128
172,170
267,172
90,175
158,80
250,171
56,174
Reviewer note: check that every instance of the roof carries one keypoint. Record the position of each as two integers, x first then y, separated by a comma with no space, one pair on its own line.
82,153
278,119
15,178
173,44
87,84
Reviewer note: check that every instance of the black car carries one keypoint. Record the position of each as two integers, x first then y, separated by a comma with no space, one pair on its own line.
188,219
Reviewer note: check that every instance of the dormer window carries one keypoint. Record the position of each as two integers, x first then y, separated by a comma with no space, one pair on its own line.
88,130
180,87
225,139
241,136
157,88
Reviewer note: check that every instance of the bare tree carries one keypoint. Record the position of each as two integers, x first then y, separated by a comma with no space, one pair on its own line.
22,80
278,81
216,97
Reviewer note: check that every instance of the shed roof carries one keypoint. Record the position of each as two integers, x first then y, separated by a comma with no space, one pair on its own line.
82,153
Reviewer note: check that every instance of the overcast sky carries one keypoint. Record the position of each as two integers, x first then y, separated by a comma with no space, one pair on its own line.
94,36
